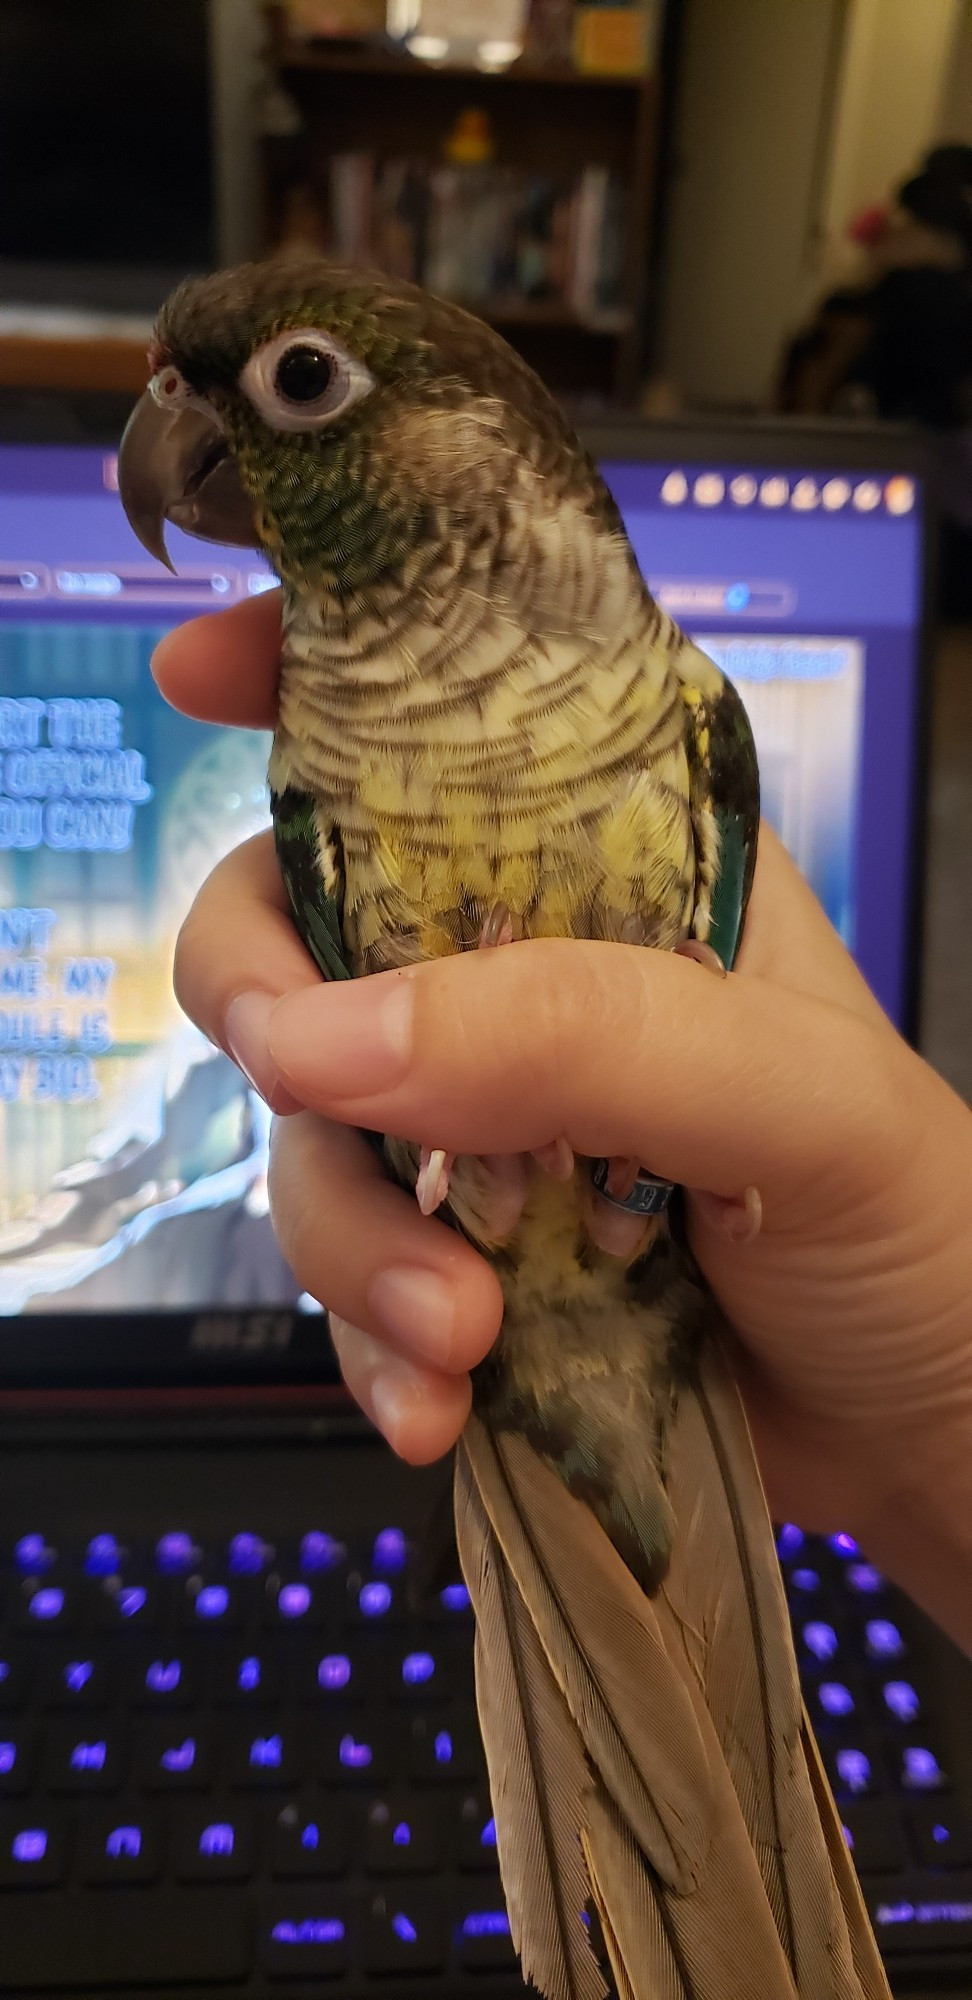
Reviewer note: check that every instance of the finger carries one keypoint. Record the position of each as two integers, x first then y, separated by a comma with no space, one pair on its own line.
224,667
236,955
714,1083
787,936
357,1243
419,1413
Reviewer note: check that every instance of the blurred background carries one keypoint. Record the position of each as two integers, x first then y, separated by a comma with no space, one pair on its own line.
669,206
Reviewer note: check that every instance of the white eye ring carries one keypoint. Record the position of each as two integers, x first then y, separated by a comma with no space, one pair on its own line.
345,381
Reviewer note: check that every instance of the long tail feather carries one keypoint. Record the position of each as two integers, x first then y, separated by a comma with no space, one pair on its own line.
712,1922
726,1624
717,1944
630,1910
539,1780
710,1841
564,1568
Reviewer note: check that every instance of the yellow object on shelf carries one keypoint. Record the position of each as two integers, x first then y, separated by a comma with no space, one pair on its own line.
470,142
615,40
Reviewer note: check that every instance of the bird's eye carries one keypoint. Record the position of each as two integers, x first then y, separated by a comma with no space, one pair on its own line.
304,373
303,379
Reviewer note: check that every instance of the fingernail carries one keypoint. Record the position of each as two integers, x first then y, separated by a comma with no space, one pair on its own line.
387,1388
394,1397
246,1039
741,1220
417,1307
350,1038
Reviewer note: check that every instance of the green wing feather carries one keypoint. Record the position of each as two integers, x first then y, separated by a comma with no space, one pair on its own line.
316,910
726,775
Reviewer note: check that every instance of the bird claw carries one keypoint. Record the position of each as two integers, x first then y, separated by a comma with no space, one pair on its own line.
497,927
556,1159
704,954
432,1184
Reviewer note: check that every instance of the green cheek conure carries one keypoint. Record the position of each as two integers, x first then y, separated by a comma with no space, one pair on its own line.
489,732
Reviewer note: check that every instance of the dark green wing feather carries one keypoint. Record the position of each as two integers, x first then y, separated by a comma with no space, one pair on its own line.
314,879
725,777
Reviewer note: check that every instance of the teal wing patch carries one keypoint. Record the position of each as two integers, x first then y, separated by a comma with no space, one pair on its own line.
723,755
314,880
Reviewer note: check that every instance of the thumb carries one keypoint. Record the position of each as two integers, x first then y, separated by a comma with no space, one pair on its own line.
714,1083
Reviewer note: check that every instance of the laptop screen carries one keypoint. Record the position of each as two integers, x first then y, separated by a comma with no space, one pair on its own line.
132,1155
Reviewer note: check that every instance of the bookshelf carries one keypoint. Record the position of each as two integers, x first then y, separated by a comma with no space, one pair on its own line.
546,124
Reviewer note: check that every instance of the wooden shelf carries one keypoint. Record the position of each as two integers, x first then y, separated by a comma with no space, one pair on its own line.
551,313
546,123
73,364
368,60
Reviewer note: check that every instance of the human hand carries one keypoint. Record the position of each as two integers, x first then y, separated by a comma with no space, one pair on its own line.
850,1307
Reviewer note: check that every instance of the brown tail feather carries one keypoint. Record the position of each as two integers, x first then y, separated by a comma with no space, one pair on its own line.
538,1777
570,1578
867,1959
711,1844
725,1619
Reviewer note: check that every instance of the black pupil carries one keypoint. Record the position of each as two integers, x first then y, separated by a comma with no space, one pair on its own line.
303,374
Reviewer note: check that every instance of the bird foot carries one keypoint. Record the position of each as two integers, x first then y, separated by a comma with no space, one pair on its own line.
435,1164
619,1231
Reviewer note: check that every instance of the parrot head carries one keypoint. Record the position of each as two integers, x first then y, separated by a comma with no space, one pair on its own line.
341,421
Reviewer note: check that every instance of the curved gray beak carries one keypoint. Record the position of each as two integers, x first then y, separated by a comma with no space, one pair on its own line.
175,465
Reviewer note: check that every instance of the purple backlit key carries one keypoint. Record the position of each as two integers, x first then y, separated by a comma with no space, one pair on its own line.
901,1700
47,1605
333,1672
836,1699
375,1600
303,1935
175,1553
294,1602
843,1545
863,1579
29,1846
32,1555
247,1555
820,1639
852,1770
806,1581
884,1641
32,1853
163,1677
356,1755
103,1556
920,1769
173,1756
320,1553
483,1941
211,1604
419,1671
390,1553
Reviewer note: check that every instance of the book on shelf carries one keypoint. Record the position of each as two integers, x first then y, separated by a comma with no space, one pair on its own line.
482,234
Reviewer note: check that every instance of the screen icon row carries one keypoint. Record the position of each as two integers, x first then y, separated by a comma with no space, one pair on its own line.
802,495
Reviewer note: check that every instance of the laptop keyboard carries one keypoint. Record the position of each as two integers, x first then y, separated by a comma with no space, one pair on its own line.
250,1764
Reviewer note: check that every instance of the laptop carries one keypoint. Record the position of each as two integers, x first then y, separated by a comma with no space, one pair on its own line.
234,1756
